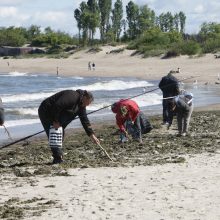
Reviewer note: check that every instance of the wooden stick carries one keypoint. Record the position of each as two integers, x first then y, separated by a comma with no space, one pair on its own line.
6,131
104,151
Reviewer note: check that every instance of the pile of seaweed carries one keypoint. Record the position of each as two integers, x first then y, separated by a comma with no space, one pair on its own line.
160,146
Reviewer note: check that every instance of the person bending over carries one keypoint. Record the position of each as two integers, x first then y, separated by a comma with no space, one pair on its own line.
58,110
130,119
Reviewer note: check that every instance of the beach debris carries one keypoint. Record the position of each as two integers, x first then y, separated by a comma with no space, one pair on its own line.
106,153
175,71
8,133
217,56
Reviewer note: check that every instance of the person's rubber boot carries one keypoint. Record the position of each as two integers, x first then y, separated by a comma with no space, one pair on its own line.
57,160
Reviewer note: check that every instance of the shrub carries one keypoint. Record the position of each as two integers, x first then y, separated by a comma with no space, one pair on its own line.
170,54
94,50
211,45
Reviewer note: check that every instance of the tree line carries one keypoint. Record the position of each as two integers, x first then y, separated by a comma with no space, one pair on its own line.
139,27
112,26
34,36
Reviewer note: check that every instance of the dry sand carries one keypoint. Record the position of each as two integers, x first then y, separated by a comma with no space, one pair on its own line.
187,191
120,64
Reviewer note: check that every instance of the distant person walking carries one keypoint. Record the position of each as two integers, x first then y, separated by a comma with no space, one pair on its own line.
169,86
89,66
57,71
2,113
57,111
93,66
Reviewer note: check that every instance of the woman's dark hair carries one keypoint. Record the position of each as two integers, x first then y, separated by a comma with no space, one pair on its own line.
89,95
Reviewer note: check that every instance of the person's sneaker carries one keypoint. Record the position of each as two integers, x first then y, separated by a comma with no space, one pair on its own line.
184,134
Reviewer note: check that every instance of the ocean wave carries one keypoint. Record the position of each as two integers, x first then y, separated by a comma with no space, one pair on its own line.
26,97
15,73
20,122
23,111
96,106
115,85
148,99
77,77
112,85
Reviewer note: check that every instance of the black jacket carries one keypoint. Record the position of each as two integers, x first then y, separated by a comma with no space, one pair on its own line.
64,106
169,85
2,119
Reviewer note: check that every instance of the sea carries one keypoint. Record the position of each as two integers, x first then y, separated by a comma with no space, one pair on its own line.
22,94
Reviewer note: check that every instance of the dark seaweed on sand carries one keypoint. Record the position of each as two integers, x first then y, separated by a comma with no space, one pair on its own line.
159,147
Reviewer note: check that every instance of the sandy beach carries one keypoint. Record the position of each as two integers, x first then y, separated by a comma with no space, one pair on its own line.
167,178
206,68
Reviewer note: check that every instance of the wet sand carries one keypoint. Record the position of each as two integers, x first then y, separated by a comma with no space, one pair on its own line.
166,178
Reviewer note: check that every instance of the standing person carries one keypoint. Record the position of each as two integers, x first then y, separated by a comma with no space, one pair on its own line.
89,66
2,113
130,119
57,71
183,106
169,86
57,111
93,66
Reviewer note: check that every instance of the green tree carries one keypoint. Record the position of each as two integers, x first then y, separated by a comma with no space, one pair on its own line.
33,31
83,20
176,21
146,18
11,36
92,17
105,10
117,15
182,19
77,16
48,30
132,12
209,30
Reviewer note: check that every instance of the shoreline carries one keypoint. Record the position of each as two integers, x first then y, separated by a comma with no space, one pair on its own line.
206,68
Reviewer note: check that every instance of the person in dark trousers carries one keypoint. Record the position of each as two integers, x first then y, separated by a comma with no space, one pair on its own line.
2,114
93,66
130,120
183,106
169,86
57,111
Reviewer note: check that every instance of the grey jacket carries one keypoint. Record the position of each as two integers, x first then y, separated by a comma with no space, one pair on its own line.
184,102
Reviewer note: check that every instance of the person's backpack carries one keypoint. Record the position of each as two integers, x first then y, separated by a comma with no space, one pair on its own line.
146,127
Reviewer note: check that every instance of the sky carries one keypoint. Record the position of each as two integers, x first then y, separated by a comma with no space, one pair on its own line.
59,14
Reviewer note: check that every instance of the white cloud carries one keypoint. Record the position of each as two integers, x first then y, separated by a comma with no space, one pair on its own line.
199,9
7,11
50,16
10,2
